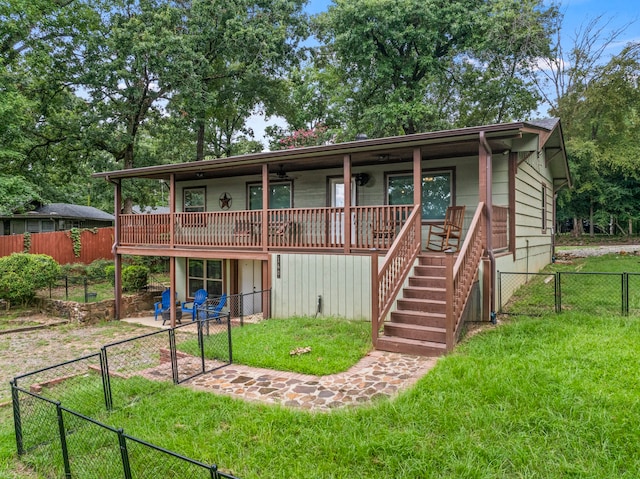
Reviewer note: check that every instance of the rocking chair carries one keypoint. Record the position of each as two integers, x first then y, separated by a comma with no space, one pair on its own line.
447,235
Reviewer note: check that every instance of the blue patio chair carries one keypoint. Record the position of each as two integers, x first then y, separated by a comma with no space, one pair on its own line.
164,304
199,298
216,311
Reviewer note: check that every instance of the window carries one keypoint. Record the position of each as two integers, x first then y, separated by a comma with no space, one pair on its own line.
33,226
279,195
48,226
436,192
204,274
194,200
544,208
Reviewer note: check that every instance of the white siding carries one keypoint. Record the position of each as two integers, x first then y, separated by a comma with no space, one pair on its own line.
343,282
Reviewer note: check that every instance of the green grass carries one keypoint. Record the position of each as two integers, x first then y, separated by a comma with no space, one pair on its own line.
336,344
589,290
551,397
556,396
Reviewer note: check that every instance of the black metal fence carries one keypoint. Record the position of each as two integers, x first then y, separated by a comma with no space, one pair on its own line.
588,292
53,407
81,289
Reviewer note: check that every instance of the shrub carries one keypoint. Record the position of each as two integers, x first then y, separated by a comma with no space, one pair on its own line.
110,274
22,274
97,270
156,264
134,278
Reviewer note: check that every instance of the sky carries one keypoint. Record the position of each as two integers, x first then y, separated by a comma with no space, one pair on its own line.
576,14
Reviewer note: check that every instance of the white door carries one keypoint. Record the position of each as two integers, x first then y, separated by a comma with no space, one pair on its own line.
251,282
336,186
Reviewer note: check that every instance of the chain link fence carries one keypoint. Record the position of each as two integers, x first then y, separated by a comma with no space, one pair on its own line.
54,407
78,383
587,292
633,294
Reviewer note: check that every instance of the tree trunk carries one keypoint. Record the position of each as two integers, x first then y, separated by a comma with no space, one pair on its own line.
577,227
591,229
612,226
200,141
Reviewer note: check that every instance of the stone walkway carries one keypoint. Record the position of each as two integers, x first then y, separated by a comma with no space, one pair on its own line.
380,374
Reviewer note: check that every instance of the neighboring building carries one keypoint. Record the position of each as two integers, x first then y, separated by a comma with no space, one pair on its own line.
56,217
149,209
276,221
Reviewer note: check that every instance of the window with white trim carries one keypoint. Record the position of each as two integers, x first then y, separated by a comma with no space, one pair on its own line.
204,274
437,187
280,195
194,200
544,208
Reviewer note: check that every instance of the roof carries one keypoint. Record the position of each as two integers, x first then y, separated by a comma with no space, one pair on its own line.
433,145
66,211
137,209
546,123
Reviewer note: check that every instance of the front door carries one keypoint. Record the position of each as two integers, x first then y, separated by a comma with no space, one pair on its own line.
336,197
250,286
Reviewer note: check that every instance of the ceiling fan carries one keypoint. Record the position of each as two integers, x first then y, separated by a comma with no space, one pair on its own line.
280,174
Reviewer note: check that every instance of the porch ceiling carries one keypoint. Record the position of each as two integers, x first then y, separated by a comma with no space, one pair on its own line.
435,145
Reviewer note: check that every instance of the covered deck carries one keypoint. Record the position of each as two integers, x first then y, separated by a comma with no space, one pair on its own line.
309,229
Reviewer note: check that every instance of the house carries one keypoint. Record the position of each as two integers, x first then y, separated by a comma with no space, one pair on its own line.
341,229
56,217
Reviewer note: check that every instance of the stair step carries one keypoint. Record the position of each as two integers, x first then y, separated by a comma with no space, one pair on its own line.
437,271
411,346
434,320
431,260
413,331
427,281
418,292
422,305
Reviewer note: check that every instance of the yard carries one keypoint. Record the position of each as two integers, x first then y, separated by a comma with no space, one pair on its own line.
553,396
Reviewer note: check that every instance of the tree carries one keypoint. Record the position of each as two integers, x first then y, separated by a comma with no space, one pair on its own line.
597,100
413,65
238,53
17,195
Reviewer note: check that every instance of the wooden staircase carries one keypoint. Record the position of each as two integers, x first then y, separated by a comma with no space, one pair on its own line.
418,326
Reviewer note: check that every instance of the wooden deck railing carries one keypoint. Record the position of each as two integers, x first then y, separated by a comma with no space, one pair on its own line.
224,229
296,228
389,277
145,229
461,270
500,227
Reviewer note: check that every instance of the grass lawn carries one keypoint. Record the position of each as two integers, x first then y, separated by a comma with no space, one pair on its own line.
550,397
335,344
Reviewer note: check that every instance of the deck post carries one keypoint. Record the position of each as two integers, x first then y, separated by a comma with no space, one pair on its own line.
172,210
347,203
117,257
417,190
265,207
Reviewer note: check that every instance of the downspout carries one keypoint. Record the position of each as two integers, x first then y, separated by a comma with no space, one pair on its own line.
117,200
489,225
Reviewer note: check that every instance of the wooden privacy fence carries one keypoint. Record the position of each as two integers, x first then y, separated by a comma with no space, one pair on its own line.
94,244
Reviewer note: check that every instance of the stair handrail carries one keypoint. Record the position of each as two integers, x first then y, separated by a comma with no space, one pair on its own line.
461,270
387,280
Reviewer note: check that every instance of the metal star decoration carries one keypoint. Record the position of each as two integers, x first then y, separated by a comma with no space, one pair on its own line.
225,201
